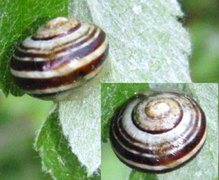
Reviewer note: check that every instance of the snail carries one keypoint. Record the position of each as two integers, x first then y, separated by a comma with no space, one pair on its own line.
158,132
63,54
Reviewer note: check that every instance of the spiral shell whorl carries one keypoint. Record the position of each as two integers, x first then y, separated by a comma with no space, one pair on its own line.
158,132
63,54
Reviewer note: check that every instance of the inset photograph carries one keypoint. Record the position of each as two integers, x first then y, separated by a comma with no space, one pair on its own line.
159,131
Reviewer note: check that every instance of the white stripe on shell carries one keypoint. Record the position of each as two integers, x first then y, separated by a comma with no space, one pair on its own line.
61,53
151,123
64,70
50,44
147,137
133,151
59,46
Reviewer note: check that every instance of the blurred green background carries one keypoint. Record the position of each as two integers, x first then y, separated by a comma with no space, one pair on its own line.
202,20
20,118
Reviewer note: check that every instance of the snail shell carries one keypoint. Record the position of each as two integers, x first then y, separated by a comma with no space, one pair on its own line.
158,132
63,54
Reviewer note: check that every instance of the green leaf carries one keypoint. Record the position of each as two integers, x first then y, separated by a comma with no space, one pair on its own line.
111,167
57,156
112,97
142,176
146,43
18,19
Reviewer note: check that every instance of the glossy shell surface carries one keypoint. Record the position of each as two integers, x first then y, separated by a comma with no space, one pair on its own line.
158,132
63,54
